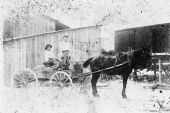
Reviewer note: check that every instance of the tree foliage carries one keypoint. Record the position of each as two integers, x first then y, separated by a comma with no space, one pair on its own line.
91,11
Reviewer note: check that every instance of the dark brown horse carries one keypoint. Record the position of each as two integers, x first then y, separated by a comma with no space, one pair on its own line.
134,59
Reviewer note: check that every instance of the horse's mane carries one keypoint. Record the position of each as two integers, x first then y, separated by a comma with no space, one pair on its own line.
110,52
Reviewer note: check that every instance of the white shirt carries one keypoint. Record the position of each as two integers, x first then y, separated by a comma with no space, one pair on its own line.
48,55
65,46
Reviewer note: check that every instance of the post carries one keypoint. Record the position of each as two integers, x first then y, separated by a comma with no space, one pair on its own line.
160,71
154,64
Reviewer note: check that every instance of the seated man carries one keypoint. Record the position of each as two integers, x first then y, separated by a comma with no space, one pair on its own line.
65,59
50,58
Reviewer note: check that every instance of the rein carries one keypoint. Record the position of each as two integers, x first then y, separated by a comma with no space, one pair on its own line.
112,67
129,60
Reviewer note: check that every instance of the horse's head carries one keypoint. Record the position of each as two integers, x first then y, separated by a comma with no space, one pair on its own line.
142,58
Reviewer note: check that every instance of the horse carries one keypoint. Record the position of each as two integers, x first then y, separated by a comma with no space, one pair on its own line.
123,63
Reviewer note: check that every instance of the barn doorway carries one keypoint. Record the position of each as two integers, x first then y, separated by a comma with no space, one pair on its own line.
160,39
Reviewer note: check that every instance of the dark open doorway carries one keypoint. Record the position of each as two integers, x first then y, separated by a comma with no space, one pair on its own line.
160,39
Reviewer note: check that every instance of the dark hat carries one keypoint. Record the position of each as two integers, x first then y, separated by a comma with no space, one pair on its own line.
48,45
65,36
65,51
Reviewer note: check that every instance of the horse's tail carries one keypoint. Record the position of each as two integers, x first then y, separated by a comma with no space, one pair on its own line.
87,62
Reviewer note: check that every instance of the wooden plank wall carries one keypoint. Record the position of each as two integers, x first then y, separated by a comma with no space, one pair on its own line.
29,51
34,25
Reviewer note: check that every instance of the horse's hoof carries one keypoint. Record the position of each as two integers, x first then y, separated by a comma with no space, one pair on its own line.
96,95
124,97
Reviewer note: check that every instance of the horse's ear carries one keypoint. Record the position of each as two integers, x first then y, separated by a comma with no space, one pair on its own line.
147,50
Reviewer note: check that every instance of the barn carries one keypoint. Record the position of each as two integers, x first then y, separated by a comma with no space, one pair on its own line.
153,36
28,51
85,42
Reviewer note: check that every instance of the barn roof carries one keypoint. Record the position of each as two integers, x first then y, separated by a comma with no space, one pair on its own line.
59,25
144,26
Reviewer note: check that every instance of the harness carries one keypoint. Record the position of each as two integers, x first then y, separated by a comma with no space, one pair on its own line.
130,54
117,59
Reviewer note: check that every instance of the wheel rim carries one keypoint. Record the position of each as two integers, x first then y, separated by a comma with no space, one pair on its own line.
63,81
23,79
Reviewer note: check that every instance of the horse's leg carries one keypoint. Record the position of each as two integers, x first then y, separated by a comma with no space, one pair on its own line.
125,78
94,79
135,75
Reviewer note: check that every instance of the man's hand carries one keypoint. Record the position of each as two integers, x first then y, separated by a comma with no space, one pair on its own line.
50,59
57,60
53,59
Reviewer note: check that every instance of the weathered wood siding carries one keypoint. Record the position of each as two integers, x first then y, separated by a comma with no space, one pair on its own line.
156,36
29,51
31,26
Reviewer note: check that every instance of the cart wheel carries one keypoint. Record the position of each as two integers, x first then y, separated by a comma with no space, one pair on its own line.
63,82
24,79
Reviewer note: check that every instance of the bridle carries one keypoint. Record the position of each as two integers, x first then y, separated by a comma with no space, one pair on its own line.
144,58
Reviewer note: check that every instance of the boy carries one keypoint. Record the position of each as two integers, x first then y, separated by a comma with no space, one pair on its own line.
50,58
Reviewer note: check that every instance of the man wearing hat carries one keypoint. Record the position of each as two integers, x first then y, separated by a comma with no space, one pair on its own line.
50,58
65,49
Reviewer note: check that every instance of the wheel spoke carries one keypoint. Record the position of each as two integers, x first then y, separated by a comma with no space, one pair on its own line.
26,78
63,80
31,80
17,85
57,81
60,77
16,79
67,84
30,75
23,78
56,77
66,80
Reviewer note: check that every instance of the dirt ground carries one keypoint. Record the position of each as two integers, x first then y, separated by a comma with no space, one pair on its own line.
46,100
